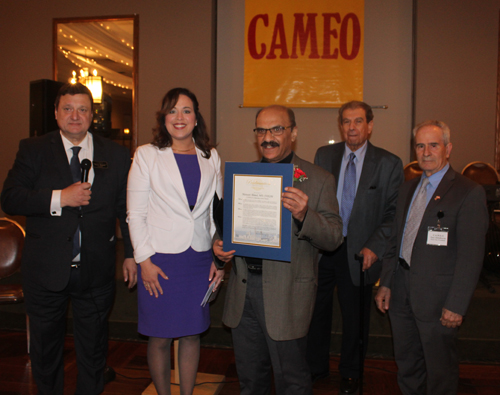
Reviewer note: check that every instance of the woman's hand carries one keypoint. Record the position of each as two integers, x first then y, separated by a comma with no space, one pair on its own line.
149,275
216,276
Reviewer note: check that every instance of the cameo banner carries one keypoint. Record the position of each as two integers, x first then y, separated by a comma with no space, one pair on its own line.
303,54
255,222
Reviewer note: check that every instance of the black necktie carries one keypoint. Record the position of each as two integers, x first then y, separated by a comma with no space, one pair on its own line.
76,171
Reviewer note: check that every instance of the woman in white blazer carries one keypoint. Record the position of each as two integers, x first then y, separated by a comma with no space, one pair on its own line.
170,194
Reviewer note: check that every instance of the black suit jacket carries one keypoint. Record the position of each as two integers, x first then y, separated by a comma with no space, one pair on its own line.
442,276
41,166
374,206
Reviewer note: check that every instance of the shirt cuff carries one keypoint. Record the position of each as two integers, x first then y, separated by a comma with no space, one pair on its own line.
55,204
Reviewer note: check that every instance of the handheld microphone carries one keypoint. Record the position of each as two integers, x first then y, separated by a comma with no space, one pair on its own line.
85,165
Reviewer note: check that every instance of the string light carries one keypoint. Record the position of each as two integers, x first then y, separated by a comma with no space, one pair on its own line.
101,51
81,61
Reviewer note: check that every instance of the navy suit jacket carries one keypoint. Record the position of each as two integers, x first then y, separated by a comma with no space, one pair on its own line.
41,166
374,206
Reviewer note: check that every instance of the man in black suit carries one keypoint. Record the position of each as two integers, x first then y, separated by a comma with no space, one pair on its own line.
69,251
432,266
371,180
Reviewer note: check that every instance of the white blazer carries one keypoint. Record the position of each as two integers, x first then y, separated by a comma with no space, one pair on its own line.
158,213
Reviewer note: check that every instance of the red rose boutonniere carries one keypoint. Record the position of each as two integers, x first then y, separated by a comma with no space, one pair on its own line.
299,175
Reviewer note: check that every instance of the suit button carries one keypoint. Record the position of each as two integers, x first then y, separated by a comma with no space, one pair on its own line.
244,281
70,239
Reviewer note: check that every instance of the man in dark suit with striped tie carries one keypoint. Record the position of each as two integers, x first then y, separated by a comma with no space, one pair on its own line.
432,266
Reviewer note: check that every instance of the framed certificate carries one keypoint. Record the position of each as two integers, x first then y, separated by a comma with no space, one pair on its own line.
255,222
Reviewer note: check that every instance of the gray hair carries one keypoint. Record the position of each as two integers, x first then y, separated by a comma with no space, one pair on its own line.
441,125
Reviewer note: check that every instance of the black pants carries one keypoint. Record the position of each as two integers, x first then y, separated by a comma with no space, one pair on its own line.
334,271
47,314
255,352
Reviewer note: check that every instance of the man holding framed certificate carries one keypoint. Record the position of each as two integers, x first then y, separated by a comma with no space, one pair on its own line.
269,303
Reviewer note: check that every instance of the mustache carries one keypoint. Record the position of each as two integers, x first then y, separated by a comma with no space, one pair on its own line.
269,144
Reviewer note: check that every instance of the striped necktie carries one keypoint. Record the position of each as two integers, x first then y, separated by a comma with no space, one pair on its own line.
414,219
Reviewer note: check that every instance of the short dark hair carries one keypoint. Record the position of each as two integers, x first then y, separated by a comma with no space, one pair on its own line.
289,111
352,105
74,89
162,137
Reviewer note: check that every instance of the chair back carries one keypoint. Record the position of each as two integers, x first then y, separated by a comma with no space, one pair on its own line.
11,246
481,172
412,170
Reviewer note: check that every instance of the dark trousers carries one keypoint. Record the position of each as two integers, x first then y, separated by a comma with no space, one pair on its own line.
334,271
425,351
47,314
255,352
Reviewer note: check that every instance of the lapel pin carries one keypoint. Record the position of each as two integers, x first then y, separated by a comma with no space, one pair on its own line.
437,198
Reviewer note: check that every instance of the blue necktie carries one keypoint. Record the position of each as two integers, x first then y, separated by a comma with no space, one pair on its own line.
348,192
76,171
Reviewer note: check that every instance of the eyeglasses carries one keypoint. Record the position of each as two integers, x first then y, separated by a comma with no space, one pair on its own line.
276,131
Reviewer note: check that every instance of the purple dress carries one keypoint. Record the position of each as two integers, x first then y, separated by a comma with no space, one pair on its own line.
177,312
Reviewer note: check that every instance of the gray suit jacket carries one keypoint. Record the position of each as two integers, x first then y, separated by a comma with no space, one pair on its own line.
290,287
442,276
374,206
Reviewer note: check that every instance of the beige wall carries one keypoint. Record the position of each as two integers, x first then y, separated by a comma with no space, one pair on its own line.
175,49
456,64
387,81
456,80
457,49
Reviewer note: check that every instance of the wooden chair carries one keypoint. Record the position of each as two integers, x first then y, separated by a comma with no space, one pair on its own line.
412,170
481,172
485,174
11,247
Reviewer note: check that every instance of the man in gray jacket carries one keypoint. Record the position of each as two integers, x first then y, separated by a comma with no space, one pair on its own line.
269,304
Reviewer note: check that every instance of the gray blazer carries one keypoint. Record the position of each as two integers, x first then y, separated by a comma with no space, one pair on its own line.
374,206
290,287
442,276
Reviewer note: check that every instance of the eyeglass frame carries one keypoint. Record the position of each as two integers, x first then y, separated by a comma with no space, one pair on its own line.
263,131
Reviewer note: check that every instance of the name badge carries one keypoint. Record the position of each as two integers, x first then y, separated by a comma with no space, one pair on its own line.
100,165
437,236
